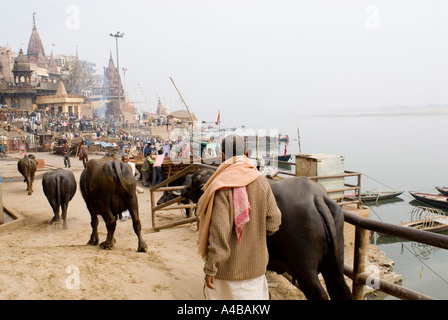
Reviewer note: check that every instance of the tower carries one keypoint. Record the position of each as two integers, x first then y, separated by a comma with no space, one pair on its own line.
36,50
22,71
112,83
112,88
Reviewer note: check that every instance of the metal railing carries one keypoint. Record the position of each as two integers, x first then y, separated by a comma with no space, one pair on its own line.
347,187
359,275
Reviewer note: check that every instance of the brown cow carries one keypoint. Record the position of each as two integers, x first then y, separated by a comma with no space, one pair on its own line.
108,188
27,167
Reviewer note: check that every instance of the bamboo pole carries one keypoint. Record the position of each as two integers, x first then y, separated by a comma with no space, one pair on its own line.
298,136
258,159
189,113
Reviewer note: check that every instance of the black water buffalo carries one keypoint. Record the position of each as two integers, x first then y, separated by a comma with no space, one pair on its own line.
27,167
310,239
108,188
59,187
170,195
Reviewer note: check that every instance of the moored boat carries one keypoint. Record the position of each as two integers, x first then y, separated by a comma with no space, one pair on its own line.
434,224
442,190
432,199
374,196
282,138
284,158
381,195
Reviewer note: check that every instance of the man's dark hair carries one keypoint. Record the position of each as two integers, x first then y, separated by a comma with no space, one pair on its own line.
232,146
160,151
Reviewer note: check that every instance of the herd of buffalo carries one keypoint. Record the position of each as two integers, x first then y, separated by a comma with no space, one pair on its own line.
310,240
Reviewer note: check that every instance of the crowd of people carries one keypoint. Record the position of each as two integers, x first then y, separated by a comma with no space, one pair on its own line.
155,150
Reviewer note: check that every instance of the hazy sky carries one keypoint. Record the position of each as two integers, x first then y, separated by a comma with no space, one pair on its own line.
255,60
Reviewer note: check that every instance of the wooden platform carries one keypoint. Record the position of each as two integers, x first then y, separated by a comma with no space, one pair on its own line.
170,168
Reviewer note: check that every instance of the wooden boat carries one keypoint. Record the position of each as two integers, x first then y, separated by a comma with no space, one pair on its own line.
436,223
432,199
422,218
282,162
374,196
381,195
442,190
282,138
284,158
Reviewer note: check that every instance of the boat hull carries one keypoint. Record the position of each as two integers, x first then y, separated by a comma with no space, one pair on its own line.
379,196
432,199
442,190
437,224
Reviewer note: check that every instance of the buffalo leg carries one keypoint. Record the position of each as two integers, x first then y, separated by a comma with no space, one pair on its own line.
142,247
31,180
335,282
55,207
111,224
310,286
64,215
307,274
94,240
29,188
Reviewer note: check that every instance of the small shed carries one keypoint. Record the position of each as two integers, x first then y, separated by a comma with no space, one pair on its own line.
323,165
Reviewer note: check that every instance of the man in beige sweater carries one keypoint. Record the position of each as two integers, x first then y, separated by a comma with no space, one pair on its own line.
237,211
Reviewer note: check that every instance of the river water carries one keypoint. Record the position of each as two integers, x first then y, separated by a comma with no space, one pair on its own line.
407,153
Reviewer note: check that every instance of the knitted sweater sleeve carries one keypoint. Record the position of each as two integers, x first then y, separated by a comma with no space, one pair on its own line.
273,214
221,226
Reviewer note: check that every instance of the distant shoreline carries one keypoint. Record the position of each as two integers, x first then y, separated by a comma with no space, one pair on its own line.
382,113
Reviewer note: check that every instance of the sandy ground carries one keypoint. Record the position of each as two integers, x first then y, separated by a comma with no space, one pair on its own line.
39,261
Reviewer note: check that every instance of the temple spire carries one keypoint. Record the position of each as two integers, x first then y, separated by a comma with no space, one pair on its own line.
35,46
34,19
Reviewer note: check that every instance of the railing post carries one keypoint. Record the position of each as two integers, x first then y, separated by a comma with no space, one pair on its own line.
153,201
2,215
359,262
359,191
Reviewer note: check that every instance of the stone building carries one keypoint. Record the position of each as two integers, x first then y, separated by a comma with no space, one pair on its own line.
19,93
7,57
36,50
61,103
26,77
113,93
113,90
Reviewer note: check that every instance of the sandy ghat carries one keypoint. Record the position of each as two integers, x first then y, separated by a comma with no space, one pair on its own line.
40,261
